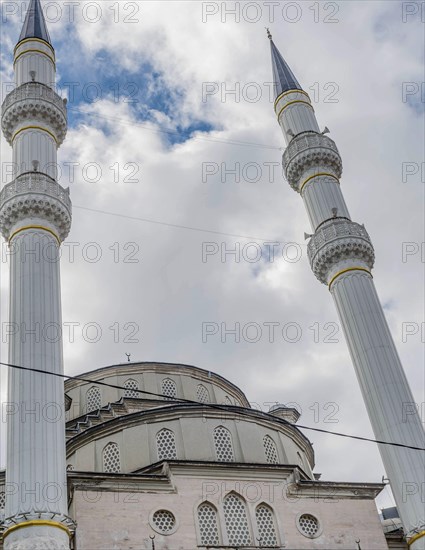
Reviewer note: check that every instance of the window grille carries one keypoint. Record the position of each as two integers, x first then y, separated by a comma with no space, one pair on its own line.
2,499
94,400
169,388
309,525
266,526
270,450
208,525
131,387
236,520
223,445
111,458
164,521
202,394
166,445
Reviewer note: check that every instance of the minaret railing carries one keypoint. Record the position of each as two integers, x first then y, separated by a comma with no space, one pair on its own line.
35,182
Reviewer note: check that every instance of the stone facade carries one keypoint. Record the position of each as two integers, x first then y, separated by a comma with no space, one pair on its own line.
122,516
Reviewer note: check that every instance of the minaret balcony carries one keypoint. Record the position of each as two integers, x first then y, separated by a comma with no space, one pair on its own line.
30,101
35,195
310,150
338,240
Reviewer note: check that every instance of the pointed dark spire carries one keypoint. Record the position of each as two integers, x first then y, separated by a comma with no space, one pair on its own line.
35,24
283,78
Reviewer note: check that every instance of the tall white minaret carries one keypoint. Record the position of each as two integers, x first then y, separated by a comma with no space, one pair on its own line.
342,256
35,217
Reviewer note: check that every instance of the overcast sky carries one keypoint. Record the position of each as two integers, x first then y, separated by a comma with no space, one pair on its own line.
151,105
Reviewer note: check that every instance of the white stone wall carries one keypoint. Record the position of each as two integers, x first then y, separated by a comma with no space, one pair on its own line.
124,519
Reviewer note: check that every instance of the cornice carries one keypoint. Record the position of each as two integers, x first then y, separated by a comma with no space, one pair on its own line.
334,490
86,481
158,477
211,469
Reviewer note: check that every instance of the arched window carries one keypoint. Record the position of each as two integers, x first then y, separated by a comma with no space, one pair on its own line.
208,525
131,387
236,520
93,399
169,388
270,450
111,458
266,526
223,445
166,445
202,394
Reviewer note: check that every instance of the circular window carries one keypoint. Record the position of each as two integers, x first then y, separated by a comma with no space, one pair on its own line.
164,522
309,525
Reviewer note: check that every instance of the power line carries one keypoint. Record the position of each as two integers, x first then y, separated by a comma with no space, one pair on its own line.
178,226
211,406
177,133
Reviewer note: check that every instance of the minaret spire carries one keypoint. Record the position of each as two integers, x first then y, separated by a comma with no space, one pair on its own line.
283,78
35,218
35,25
342,257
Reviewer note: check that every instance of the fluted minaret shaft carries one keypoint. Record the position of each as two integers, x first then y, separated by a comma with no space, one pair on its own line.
342,256
35,217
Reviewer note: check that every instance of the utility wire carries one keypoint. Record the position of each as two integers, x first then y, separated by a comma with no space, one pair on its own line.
178,226
209,405
175,132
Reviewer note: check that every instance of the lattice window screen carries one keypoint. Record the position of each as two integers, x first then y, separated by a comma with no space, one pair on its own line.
169,388
130,387
94,399
265,525
202,394
223,445
208,525
236,520
2,499
308,525
166,445
111,458
164,521
270,450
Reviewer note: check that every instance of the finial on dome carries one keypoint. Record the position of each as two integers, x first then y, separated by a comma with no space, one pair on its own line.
269,34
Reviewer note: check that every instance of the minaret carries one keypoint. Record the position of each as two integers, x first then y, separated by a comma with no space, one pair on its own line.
35,217
342,256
